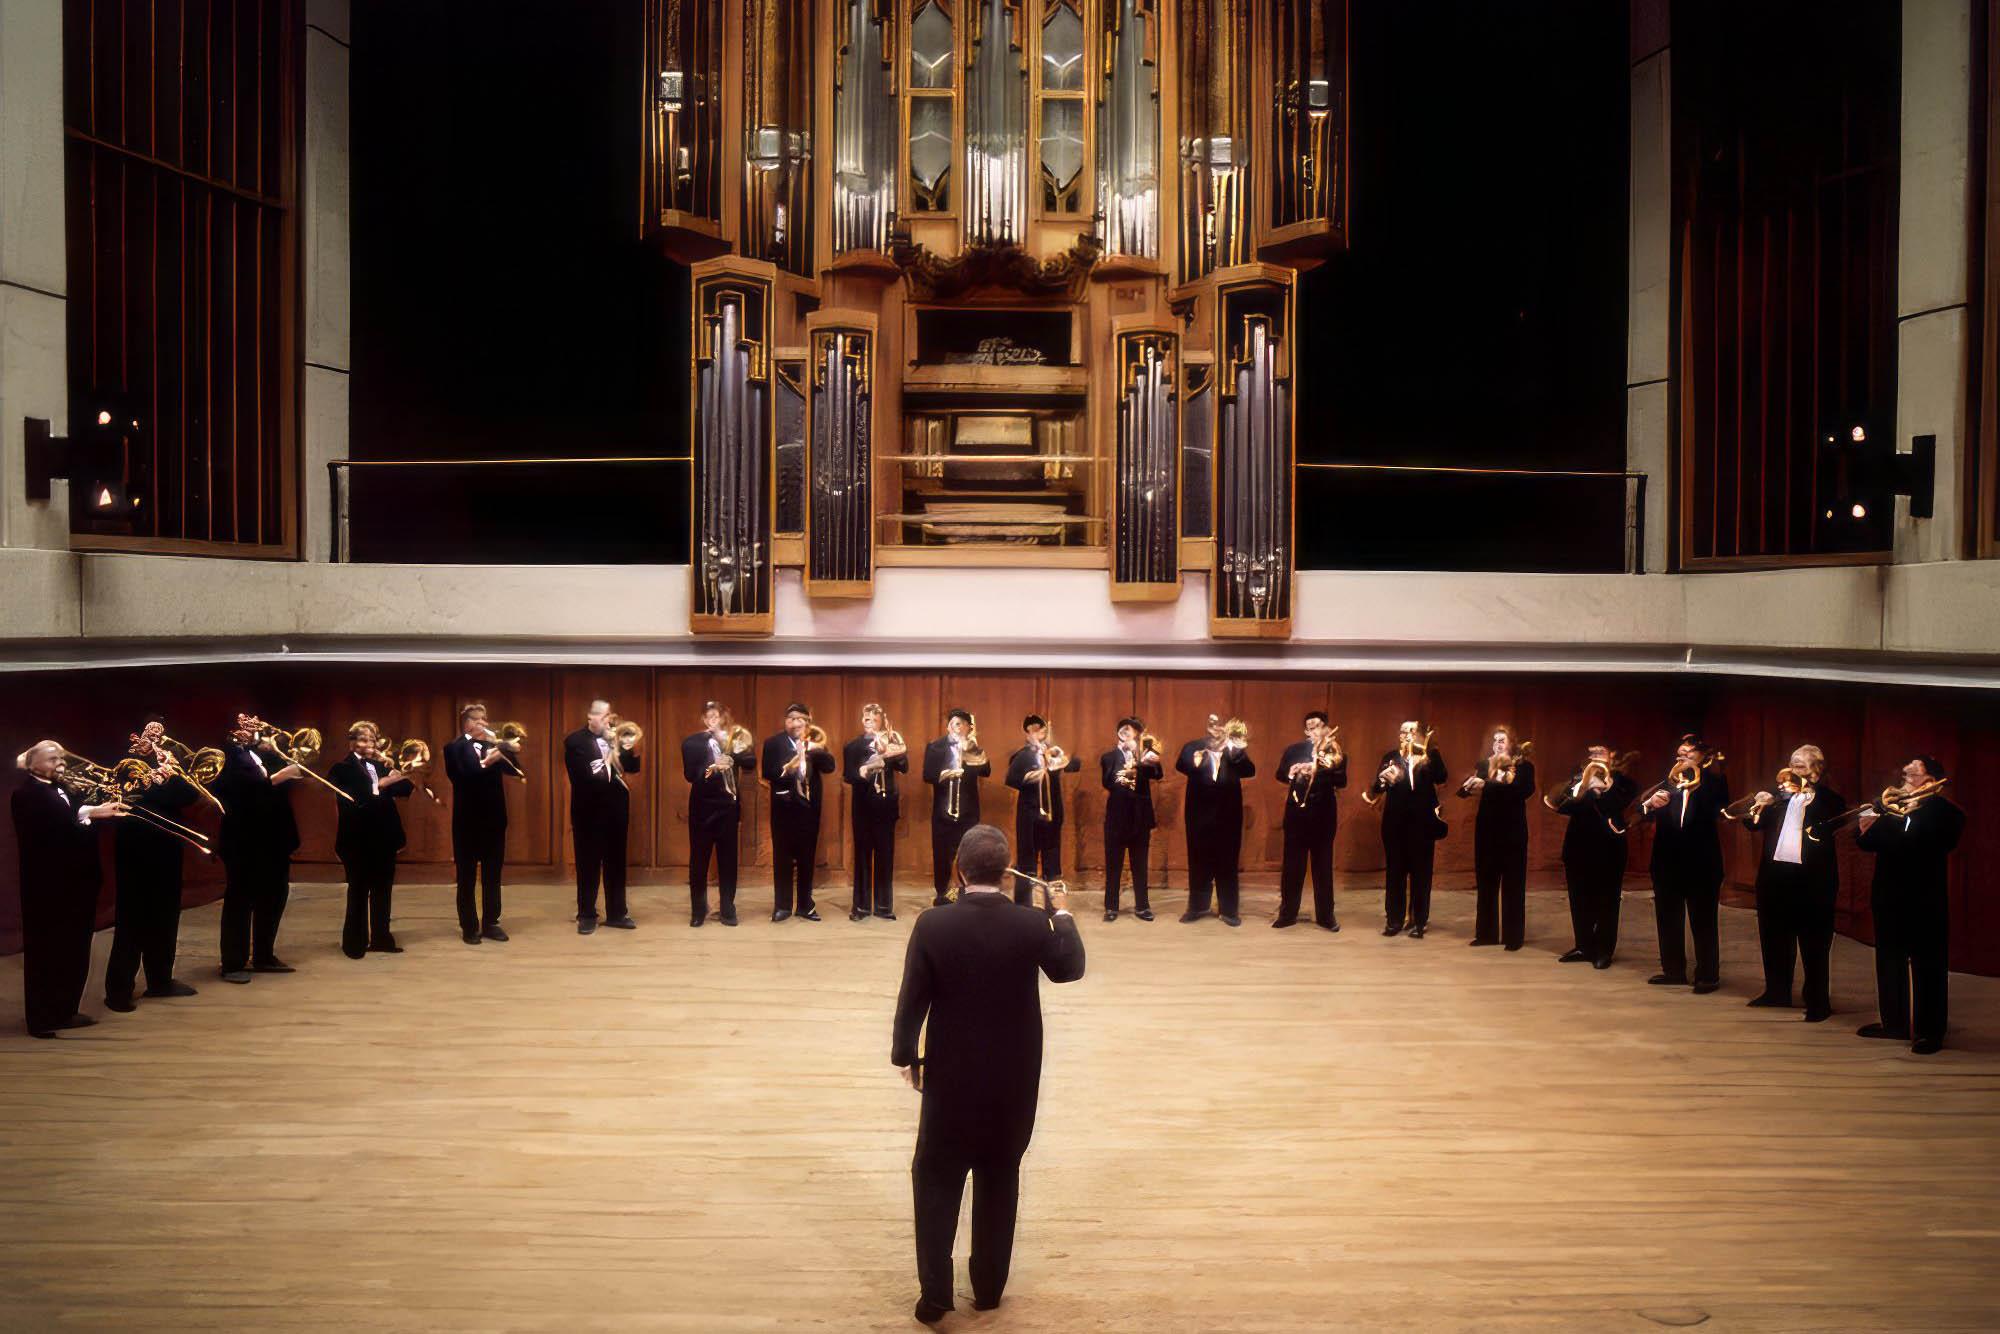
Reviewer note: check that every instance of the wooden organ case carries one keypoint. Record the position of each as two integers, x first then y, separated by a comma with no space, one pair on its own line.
994,282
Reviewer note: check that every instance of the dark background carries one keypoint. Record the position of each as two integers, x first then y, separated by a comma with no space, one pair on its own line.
505,306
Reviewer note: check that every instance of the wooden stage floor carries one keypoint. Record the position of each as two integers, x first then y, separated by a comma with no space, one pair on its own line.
1241,1130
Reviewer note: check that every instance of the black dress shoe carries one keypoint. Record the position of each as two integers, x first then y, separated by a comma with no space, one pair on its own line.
361,953
1572,956
174,987
78,1020
1601,964
1144,914
856,915
391,948
1818,1016
1330,924
1231,919
1704,988
1769,1002
1392,930
928,1314
493,932
1191,916
1280,923
1878,1031
469,937
780,914
1662,980
1110,914
585,925
272,965
696,919
622,923
982,1304
886,914
1417,931
41,1032
727,917
1927,1046
1511,948
809,915
237,975
1477,941
120,1004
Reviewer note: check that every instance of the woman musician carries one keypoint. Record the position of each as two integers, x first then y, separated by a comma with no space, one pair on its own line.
1503,780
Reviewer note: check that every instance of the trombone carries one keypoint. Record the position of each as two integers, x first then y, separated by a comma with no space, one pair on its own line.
412,755
89,780
1898,801
1409,754
967,749
1326,755
740,741
1049,888
1790,782
1497,765
625,736
1053,758
1592,770
886,740
299,746
508,739
1148,744
198,767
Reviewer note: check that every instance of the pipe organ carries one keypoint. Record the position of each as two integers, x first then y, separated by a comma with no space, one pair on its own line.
994,282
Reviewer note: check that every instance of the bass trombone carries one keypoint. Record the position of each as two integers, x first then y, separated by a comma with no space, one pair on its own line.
508,741
413,755
91,782
299,746
198,767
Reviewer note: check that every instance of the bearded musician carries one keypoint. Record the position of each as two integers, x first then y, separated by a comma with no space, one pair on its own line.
1798,883
1035,773
870,764
1313,770
1406,783
1128,771
1503,780
716,761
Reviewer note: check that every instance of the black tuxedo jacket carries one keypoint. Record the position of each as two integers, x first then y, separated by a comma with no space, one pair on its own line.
711,808
478,793
1213,804
1411,810
1911,857
1320,816
141,835
58,853
1502,819
971,970
1028,806
1819,857
937,759
868,805
1592,841
257,823
596,795
785,797
370,825
1687,832
1128,811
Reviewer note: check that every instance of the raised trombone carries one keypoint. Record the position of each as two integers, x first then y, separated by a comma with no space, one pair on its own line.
299,746
1897,801
92,782
1326,755
1790,782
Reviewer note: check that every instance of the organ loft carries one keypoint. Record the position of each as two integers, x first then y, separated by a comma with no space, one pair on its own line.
994,282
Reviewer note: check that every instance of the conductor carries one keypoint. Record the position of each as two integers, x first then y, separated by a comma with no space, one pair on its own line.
971,970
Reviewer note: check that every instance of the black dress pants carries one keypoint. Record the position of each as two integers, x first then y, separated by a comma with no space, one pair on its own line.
1040,854
56,924
1212,869
875,863
254,893
600,855
1500,888
1795,918
938,1178
479,855
794,846
1406,894
371,879
945,838
1595,897
719,843
148,924
1306,848
1119,849
1913,973
1697,904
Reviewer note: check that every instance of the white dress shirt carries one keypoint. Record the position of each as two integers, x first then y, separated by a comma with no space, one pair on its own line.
1791,839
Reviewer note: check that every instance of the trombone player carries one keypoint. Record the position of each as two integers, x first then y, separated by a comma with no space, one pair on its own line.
794,762
1503,780
714,761
1686,814
870,764
1129,770
369,837
597,756
1212,811
1798,883
478,761
148,860
1593,851
1407,783
1912,831
259,836
60,877
1035,772
1313,770
953,766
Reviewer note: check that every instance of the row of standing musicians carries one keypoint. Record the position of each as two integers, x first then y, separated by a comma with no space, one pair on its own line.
1911,828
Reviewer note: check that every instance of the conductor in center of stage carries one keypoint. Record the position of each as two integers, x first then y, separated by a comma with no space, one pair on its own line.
970,971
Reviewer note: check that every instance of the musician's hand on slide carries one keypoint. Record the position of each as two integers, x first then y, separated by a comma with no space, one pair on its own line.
1763,799
1388,774
110,810
1656,801
288,774
1474,783
393,776
1035,775
490,758
1868,817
